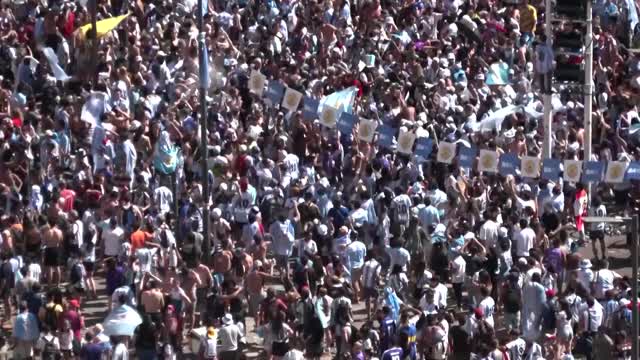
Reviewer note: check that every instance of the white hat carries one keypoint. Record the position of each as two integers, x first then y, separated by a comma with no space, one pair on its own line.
323,230
227,319
469,236
585,264
503,231
216,213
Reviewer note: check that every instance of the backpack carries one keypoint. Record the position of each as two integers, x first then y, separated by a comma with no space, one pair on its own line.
49,351
342,313
164,240
51,318
75,276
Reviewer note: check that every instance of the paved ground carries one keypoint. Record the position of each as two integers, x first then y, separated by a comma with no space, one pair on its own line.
95,310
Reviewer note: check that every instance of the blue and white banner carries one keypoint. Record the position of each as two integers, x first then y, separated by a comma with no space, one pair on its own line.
346,122
275,92
509,164
551,169
310,108
593,171
633,171
466,156
385,136
424,147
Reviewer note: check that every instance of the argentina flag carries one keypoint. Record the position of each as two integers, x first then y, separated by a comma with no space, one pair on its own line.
342,100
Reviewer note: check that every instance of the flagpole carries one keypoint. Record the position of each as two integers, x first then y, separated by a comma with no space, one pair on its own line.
588,87
204,151
546,86
94,40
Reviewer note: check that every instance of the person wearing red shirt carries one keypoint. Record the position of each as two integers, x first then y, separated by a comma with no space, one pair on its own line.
68,195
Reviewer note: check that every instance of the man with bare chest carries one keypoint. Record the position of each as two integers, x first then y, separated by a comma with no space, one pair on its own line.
52,238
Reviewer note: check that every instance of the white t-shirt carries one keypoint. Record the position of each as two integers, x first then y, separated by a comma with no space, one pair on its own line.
34,271
459,267
440,296
516,349
524,241
603,282
163,198
291,163
488,306
112,239
401,204
120,352
489,233
399,256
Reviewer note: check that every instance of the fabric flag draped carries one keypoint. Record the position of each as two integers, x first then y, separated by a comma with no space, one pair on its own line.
122,321
95,106
341,100
54,64
103,27
498,74
393,302
166,155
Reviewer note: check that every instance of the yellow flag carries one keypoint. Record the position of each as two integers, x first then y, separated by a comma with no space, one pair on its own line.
103,26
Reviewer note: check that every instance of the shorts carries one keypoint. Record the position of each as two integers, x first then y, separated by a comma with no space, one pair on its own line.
52,256
512,320
369,293
254,303
597,235
356,275
89,266
282,261
201,300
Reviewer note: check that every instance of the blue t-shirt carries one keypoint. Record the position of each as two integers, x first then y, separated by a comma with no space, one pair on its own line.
387,331
411,332
392,354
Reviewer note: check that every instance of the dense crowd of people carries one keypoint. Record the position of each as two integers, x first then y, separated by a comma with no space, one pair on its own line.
101,181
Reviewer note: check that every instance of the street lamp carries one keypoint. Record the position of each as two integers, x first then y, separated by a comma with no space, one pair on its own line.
630,222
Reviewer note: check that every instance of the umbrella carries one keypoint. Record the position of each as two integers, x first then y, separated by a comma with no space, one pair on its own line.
122,321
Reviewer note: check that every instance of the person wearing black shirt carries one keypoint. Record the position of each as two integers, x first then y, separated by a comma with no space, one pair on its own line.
460,340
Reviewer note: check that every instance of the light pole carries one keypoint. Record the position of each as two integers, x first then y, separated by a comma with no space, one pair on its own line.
546,86
631,226
204,138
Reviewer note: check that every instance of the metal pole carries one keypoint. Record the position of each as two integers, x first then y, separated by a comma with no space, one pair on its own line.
94,40
546,86
204,139
633,226
588,84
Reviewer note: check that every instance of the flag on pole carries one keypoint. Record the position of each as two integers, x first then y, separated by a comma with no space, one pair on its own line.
103,27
